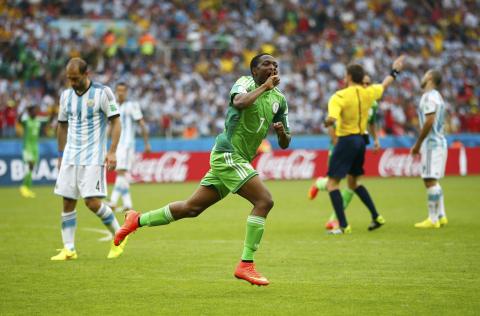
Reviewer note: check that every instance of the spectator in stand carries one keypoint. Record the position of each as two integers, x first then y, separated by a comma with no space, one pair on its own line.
165,51
10,114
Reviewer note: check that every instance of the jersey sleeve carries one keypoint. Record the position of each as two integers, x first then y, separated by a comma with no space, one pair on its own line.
62,111
335,106
432,101
136,112
376,91
108,104
240,86
282,115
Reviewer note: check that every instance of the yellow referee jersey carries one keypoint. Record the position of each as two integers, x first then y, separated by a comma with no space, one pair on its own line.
350,108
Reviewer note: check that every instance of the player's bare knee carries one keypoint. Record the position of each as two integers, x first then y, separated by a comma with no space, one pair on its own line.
265,204
92,204
352,185
69,205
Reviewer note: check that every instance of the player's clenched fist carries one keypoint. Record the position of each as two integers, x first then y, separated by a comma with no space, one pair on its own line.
272,82
278,126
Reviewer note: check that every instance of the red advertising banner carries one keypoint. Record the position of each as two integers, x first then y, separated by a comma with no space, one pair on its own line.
176,166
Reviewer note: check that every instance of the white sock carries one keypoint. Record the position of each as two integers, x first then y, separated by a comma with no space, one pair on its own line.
108,218
441,205
69,225
117,191
127,199
433,196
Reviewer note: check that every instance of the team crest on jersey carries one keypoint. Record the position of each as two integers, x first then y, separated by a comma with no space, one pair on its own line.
90,103
275,107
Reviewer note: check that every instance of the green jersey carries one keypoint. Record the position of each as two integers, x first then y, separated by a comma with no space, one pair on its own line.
31,131
372,113
245,129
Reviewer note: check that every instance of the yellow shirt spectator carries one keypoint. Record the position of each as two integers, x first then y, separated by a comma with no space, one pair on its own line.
350,108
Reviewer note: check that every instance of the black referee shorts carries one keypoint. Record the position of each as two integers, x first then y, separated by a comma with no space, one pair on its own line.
348,157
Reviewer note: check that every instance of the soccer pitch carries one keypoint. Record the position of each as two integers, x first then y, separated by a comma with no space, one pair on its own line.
186,268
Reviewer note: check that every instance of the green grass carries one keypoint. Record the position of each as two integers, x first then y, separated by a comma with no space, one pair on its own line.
186,268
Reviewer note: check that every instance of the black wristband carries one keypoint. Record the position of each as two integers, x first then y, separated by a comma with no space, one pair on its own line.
394,73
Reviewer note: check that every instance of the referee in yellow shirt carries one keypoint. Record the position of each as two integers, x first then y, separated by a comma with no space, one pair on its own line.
348,110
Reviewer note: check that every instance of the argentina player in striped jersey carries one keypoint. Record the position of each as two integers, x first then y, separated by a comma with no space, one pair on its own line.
432,146
85,109
130,116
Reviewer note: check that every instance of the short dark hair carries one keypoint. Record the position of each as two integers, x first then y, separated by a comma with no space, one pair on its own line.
80,63
121,83
255,61
436,77
356,72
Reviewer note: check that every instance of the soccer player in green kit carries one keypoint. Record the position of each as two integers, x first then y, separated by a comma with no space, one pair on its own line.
31,129
255,103
320,183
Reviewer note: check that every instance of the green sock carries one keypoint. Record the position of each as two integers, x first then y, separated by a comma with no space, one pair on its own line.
321,184
255,226
27,180
347,196
333,217
162,216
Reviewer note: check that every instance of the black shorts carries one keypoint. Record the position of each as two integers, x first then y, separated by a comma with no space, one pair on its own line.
348,157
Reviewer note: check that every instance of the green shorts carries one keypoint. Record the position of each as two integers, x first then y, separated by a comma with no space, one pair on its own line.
30,155
228,172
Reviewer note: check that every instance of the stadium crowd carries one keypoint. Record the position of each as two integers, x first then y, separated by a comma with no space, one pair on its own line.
180,58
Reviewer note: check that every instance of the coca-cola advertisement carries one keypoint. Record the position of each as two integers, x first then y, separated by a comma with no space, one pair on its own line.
296,164
176,166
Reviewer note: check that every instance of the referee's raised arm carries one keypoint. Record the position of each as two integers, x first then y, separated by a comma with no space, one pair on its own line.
397,67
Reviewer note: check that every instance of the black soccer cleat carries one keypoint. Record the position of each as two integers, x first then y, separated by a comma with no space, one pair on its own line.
376,223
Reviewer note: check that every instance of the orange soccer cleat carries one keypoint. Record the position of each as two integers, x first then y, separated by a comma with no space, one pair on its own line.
320,184
129,226
247,272
313,191
331,224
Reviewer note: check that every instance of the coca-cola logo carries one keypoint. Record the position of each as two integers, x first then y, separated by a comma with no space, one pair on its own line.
170,167
396,164
299,164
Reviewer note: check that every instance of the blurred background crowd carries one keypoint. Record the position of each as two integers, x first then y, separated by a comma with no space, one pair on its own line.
180,58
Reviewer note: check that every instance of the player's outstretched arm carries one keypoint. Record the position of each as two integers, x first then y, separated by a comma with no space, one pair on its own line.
244,100
397,67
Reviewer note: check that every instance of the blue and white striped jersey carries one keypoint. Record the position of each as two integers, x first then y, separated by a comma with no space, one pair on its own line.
87,116
432,102
129,113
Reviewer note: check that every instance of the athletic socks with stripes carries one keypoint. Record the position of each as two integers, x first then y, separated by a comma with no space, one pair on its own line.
255,228
69,225
108,218
162,216
434,194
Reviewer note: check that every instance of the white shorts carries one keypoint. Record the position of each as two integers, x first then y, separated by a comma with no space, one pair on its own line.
434,160
81,181
125,158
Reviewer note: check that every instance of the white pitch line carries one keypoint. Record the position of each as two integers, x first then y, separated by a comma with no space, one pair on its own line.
107,237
